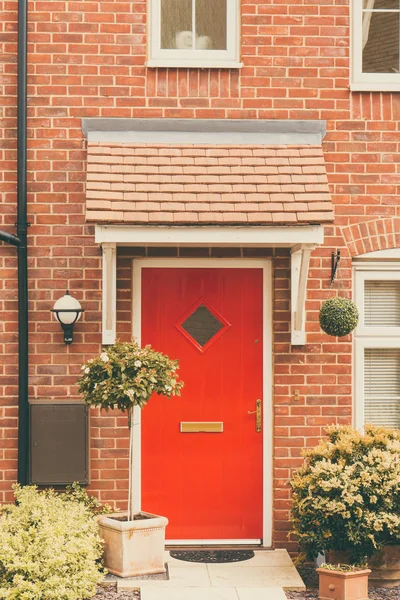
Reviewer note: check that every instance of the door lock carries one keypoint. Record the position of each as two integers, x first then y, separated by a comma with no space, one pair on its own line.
257,412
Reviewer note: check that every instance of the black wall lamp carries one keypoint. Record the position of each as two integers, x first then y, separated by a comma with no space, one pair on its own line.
67,311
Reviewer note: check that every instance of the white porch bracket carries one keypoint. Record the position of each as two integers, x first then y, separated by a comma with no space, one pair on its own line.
300,261
301,240
109,321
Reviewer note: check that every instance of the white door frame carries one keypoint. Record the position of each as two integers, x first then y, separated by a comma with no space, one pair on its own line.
237,263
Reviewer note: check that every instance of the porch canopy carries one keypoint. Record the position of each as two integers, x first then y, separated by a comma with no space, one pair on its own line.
207,183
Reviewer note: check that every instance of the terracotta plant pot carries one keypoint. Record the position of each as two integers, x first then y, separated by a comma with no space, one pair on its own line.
133,547
340,585
385,567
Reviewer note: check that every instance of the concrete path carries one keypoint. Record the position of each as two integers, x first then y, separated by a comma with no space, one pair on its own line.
263,577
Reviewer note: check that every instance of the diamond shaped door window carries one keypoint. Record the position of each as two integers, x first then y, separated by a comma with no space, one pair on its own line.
202,325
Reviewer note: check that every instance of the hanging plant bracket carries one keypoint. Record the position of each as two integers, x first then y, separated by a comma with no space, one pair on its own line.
335,264
300,262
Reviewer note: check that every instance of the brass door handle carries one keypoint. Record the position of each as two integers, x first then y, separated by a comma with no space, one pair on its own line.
257,412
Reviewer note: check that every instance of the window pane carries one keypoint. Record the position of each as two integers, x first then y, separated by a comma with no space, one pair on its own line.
380,42
176,24
381,4
202,325
382,386
211,24
382,303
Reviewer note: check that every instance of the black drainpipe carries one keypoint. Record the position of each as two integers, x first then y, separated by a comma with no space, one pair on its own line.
20,241
22,227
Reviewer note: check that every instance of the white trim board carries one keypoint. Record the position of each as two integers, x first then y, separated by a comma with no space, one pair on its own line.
393,253
210,263
301,240
265,237
213,542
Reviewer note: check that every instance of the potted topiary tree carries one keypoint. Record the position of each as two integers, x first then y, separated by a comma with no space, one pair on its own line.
346,499
125,376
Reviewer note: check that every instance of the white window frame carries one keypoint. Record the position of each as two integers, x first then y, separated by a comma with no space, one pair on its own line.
368,82
369,337
217,59
373,275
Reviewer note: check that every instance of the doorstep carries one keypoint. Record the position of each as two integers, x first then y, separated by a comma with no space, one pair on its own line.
263,577
191,593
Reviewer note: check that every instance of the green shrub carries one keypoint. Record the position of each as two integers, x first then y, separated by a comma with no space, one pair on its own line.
78,493
48,548
346,497
338,316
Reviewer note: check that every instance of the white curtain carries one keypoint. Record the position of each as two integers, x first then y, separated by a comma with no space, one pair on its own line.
366,21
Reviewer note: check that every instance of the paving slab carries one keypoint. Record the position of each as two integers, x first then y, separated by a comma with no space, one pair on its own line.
259,578
189,593
262,593
178,577
286,577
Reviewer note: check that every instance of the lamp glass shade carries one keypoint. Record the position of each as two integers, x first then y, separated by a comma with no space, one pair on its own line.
69,304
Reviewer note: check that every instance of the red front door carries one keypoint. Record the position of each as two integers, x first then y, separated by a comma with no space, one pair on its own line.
208,484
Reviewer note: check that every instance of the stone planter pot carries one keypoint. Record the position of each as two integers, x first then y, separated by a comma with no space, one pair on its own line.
339,585
133,547
385,567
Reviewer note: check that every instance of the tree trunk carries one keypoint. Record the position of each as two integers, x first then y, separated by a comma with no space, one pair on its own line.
134,461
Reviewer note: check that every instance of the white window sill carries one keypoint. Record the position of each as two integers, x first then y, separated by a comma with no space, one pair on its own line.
193,64
367,86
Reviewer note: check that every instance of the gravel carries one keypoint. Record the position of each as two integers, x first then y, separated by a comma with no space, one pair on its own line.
310,578
110,593
108,590
307,572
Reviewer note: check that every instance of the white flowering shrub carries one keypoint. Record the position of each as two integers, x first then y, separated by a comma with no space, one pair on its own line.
49,548
346,497
125,375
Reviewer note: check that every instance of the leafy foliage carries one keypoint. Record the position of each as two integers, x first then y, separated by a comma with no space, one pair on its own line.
48,548
338,316
346,497
125,375
77,493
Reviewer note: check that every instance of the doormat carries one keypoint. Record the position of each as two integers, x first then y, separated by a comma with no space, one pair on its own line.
212,556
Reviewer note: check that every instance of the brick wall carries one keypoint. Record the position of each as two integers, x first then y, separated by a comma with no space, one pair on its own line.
86,59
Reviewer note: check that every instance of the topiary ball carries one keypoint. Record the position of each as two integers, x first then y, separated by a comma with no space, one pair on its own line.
338,316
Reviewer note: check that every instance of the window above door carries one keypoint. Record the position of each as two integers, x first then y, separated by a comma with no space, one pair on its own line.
375,45
194,33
